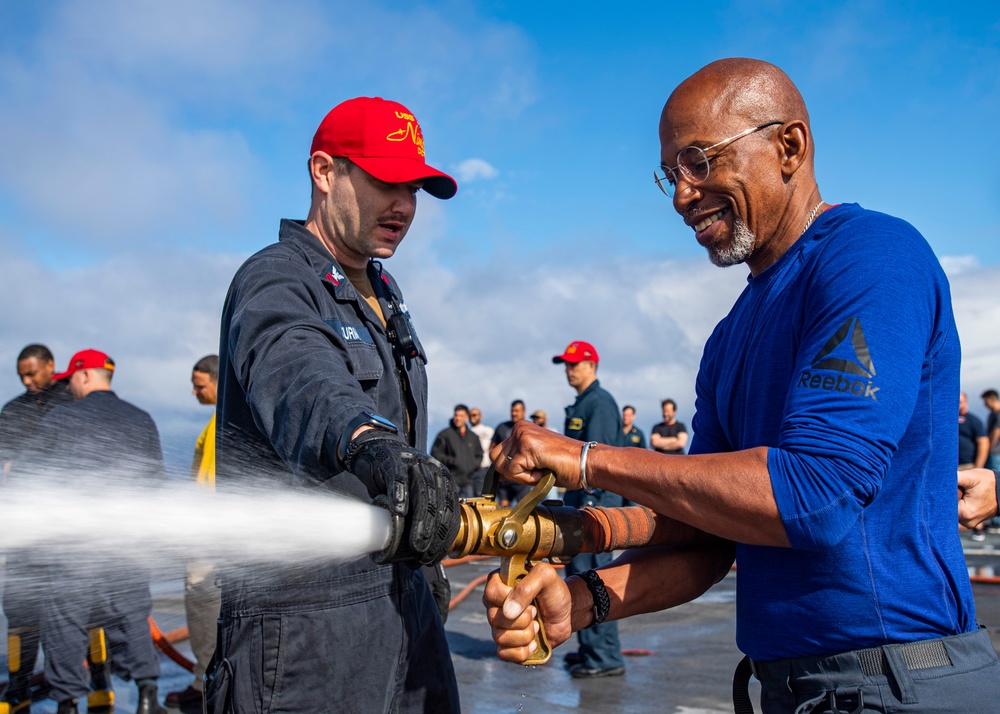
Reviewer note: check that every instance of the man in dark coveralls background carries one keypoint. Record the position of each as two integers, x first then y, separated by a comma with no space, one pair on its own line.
102,439
593,418
322,387
21,604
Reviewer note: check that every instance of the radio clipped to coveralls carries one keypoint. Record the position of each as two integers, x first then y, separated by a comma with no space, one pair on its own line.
398,326
401,333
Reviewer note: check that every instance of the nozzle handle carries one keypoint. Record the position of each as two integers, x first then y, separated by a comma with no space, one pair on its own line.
512,569
514,566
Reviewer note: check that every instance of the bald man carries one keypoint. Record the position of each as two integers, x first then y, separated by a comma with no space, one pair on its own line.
824,442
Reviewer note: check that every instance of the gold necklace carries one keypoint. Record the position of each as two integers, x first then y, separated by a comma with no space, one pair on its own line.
812,216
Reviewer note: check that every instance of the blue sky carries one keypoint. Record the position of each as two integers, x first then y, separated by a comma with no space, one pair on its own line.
148,148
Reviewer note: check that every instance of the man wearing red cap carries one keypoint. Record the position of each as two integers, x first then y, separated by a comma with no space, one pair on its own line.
103,438
593,418
322,386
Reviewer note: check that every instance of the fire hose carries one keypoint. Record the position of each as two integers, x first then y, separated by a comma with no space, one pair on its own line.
524,535
534,530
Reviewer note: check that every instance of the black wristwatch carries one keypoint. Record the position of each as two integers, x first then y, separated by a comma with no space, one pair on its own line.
602,603
344,451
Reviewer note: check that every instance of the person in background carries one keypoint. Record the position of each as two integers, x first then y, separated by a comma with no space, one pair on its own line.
21,415
594,419
19,420
973,442
100,439
485,434
508,492
633,435
202,597
973,448
458,448
991,400
669,436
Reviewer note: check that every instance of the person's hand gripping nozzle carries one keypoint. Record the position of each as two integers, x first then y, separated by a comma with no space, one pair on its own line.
537,529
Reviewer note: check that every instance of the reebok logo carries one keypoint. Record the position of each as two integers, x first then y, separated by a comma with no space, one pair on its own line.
845,352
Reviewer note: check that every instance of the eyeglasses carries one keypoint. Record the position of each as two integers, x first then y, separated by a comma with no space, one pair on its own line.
693,163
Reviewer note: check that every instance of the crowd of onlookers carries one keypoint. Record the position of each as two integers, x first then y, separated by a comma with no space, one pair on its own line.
464,445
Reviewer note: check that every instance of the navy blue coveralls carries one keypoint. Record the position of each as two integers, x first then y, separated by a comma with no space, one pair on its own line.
104,440
22,601
595,416
301,355
635,438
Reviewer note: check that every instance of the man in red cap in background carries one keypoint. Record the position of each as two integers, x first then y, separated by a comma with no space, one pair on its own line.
322,387
593,418
100,437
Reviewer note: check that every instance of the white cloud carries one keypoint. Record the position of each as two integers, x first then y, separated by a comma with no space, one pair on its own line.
475,169
977,314
142,121
154,314
113,171
954,265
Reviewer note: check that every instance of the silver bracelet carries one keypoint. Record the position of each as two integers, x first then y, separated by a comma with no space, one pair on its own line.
583,465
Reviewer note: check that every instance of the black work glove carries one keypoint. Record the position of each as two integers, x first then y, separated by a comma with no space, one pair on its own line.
415,488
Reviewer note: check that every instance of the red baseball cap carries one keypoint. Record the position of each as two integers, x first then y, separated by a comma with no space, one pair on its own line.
87,359
384,139
577,352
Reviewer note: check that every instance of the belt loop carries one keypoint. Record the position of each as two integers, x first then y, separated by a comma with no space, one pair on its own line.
901,673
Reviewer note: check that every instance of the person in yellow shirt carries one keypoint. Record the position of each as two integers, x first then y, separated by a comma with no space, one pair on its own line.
204,387
202,598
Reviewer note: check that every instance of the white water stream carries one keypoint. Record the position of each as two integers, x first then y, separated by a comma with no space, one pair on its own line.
100,518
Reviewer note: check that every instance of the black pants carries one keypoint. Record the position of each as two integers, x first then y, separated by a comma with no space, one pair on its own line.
120,603
22,605
958,674
352,648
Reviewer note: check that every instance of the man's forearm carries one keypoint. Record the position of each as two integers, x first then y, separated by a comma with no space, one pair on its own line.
728,495
651,579
982,451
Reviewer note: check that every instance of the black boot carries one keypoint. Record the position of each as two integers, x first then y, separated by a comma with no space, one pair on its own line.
148,703
67,706
16,703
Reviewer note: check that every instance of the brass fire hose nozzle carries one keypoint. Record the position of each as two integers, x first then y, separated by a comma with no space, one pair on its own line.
536,529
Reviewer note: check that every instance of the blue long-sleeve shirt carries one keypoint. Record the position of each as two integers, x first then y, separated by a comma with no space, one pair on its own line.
843,358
